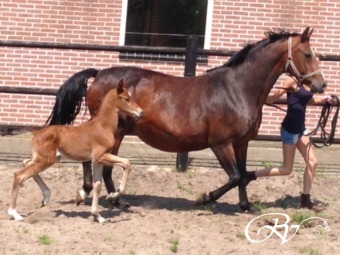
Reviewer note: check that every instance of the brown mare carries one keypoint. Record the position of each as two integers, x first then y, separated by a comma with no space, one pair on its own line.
92,141
221,109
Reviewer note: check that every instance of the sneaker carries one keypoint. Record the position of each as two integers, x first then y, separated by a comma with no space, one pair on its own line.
308,204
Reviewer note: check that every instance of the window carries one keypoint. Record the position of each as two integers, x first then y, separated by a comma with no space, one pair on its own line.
165,23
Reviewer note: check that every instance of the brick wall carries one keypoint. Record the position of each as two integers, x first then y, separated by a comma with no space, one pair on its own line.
98,22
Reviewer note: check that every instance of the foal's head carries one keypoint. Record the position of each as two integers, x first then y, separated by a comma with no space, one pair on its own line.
125,103
303,64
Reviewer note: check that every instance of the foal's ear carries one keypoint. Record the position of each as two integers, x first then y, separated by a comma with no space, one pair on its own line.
120,87
307,34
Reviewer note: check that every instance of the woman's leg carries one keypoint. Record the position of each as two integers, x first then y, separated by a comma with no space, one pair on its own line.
287,166
305,147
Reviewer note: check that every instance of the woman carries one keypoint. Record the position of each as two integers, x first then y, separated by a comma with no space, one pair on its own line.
292,135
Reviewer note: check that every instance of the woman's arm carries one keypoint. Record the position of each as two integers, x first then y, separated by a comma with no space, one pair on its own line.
289,84
320,100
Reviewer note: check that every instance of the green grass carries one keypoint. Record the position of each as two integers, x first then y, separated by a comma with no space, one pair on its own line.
266,164
184,188
174,245
241,235
299,217
45,240
310,251
259,206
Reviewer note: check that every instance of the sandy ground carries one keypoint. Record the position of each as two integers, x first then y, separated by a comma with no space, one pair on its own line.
163,218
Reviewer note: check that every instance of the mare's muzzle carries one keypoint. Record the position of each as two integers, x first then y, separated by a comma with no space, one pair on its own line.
318,89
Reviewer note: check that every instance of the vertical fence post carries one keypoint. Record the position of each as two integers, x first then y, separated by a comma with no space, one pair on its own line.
182,160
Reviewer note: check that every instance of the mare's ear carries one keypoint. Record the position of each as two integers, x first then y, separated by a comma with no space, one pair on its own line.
120,87
307,34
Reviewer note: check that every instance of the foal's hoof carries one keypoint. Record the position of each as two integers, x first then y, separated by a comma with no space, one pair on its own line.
80,198
99,219
15,215
203,199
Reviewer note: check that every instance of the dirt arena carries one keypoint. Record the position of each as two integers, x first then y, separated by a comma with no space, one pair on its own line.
163,218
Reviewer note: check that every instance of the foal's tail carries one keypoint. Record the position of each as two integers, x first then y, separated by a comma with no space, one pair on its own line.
69,98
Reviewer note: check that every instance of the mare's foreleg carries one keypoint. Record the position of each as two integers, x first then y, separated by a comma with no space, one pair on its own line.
226,157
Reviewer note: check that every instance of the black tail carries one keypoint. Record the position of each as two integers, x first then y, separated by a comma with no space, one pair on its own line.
69,98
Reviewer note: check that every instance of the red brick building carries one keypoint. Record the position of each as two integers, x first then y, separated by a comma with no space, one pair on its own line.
227,25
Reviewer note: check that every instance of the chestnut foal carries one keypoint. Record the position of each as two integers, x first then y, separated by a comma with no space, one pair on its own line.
90,141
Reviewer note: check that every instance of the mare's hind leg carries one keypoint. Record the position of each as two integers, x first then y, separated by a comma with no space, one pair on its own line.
107,174
19,177
226,157
241,157
83,193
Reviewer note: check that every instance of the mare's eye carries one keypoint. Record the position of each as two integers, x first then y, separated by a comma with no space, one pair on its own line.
127,100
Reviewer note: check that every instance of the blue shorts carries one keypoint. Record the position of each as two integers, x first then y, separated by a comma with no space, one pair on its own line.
289,138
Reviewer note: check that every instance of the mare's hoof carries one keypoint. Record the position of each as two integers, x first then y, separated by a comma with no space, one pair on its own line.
249,208
113,198
116,201
80,197
121,203
203,199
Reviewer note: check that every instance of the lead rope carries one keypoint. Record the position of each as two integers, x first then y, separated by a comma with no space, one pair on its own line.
327,139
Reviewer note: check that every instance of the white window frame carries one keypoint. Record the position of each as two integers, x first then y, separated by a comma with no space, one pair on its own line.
208,23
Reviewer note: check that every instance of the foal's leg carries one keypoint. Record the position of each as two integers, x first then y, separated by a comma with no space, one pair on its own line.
110,159
83,193
19,177
45,190
107,172
226,156
97,184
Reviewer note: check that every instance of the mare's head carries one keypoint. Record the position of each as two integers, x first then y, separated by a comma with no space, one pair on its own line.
302,63
125,103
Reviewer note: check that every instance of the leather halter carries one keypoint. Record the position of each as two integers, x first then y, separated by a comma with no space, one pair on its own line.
290,62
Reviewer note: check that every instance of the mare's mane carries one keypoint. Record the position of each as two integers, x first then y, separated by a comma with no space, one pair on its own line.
271,37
